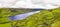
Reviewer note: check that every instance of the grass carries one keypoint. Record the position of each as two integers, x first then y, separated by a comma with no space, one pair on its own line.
5,25
35,20
56,24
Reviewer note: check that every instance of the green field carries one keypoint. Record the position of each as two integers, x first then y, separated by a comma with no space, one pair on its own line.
45,18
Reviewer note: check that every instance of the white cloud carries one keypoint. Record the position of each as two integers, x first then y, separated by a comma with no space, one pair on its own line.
44,4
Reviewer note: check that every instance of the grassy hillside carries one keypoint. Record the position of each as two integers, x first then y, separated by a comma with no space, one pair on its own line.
45,18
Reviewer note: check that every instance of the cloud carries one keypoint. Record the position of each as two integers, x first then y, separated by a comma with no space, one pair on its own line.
49,4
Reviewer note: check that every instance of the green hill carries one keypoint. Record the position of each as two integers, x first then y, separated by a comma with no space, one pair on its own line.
45,18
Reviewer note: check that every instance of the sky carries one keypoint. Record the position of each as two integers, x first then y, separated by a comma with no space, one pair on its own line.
43,4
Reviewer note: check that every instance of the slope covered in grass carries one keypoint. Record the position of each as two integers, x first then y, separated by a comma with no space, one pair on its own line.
45,18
